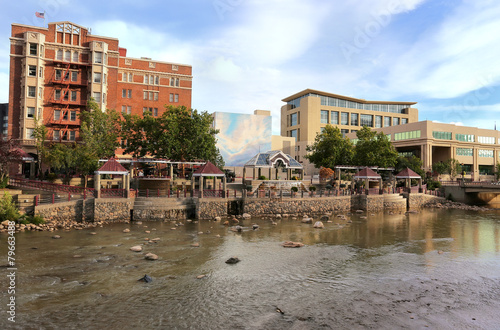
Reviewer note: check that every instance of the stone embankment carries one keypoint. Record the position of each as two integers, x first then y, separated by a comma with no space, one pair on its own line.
52,226
455,205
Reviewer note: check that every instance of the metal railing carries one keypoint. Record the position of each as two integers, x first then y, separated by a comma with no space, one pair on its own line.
113,193
54,187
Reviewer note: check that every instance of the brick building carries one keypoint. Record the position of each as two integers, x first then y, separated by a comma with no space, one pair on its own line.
55,70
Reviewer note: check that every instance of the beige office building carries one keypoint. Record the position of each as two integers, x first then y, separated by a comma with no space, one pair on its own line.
475,148
309,111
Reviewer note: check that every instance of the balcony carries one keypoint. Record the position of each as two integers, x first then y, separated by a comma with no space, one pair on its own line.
68,102
65,122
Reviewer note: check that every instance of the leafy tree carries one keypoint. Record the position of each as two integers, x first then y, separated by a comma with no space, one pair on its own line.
325,173
374,149
40,134
178,134
440,168
330,149
453,167
10,154
8,209
63,156
414,163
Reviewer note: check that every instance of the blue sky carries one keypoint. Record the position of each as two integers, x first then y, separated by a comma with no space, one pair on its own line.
250,54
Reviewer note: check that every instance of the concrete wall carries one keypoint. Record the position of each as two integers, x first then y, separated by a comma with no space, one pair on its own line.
417,201
294,206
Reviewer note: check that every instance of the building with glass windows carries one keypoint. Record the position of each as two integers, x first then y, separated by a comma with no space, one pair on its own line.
54,70
476,149
309,111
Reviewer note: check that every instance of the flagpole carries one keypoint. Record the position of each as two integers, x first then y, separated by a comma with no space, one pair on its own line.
44,18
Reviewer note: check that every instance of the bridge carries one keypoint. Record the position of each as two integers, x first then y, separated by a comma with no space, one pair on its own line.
477,193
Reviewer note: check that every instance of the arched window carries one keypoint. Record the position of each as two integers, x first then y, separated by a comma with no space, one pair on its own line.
59,54
177,82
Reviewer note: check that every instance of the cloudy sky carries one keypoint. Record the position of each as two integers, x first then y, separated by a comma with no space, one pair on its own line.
250,54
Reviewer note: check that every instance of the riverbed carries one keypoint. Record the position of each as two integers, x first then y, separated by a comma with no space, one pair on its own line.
436,269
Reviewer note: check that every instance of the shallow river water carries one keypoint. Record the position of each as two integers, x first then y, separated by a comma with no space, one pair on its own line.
438,269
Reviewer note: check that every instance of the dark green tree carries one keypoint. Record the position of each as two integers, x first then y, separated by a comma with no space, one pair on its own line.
414,163
374,149
178,134
10,155
63,156
330,149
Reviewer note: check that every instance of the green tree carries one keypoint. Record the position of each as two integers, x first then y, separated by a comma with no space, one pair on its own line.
8,209
414,163
63,156
10,154
330,149
40,134
374,149
178,134
440,168
453,167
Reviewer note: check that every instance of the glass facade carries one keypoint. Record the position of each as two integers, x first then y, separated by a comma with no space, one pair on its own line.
464,152
334,117
293,133
378,121
441,135
485,153
486,139
407,135
395,121
344,132
293,119
354,119
387,121
344,118
464,137
367,120
404,121
324,116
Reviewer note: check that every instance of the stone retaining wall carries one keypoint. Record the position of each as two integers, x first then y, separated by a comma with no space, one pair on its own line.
60,212
296,206
418,201
162,214
211,208
112,209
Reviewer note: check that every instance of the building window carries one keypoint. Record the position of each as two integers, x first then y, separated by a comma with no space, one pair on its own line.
354,119
171,99
155,112
395,121
57,94
104,98
66,75
74,75
176,98
97,97
344,118
57,135
378,121
124,93
145,96
129,109
293,119
407,135
124,76
75,57
464,151
344,132
33,49
145,111
66,95
124,109
72,115
293,133
32,70
324,116
151,80
30,112
146,78
157,80
57,114
485,153
387,121
97,77
31,91
130,77
129,93
40,92
72,135
151,96
73,96
67,56
177,82
58,75
172,81
366,120
59,55
40,72
98,57
156,96
404,121
441,135
464,137
485,139
334,117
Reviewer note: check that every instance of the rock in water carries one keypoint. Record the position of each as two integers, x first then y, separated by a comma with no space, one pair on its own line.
146,278
151,256
290,244
126,230
319,224
255,226
232,260
136,248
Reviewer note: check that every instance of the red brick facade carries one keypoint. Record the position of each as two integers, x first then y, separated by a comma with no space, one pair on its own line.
55,70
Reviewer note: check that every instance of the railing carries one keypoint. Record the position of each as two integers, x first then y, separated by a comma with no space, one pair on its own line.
450,183
113,193
47,186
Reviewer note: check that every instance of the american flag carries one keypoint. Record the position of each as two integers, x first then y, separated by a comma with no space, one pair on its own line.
40,15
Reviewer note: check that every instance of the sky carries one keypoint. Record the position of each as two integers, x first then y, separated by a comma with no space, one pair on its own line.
250,54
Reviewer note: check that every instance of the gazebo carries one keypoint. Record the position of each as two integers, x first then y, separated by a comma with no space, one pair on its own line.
271,160
407,174
114,168
367,174
208,170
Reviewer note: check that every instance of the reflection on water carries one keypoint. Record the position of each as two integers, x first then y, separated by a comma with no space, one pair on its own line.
384,271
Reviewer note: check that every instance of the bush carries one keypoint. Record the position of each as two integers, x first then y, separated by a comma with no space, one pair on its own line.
328,187
51,177
8,210
312,188
294,178
432,184
4,182
295,189
262,177
249,188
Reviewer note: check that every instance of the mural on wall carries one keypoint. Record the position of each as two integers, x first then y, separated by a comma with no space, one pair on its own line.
242,136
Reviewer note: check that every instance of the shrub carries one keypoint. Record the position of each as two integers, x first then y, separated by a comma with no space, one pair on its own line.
51,177
328,187
312,188
249,188
294,178
262,177
8,210
4,182
295,189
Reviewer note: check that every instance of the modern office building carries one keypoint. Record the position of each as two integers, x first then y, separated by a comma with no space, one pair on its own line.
55,70
477,149
4,119
309,111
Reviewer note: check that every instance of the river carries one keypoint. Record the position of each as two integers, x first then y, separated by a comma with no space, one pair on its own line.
435,269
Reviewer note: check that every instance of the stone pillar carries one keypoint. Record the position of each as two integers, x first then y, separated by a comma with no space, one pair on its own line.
192,186
201,187
420,185
339,180
224,187
97,185
171,171
380,187
244,175
253,173
367,185
270,173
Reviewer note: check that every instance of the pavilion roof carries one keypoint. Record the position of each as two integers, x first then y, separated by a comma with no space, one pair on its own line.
367,173
208,169
112,167
407,173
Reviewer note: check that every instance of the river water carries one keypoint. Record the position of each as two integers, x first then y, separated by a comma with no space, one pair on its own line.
435,269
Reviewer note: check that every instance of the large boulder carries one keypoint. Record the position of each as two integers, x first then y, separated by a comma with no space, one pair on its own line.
319,224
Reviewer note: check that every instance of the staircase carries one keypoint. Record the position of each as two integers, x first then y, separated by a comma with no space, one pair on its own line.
394,201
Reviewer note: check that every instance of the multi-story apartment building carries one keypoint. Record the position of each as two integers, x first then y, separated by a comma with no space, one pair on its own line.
309,111
55,70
